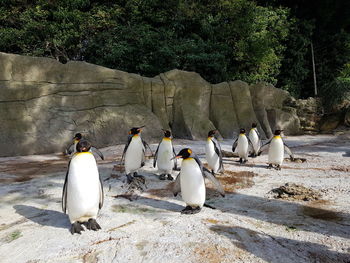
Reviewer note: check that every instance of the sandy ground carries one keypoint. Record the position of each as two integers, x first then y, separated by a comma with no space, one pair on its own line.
249,225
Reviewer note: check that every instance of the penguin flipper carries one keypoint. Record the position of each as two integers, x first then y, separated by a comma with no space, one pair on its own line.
146,145
289,152
175,160
98,152
101,200
264,147
215,182
177,185
126,148
64,192
70,149
218,152
234,145
155,156
250,144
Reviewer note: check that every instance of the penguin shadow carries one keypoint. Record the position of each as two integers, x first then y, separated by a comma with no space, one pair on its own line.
346,154
43,217
160,204
247,164
264,246
310,217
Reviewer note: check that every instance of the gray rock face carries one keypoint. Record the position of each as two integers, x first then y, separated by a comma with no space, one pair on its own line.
43,103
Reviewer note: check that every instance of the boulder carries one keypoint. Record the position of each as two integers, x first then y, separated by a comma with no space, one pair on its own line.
329,122
347,117
44,103
222,112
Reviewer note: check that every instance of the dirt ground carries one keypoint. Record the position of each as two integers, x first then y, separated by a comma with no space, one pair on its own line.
298,214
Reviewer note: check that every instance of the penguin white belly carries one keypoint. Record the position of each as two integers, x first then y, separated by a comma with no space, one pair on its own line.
133,155
242,147
192,183
254,138
276,151
83,188
165,153
211,156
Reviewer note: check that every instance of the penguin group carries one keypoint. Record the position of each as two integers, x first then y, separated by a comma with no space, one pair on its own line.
82,196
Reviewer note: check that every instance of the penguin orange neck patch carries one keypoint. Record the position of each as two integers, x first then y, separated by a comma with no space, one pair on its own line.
167,139
80,153
277,137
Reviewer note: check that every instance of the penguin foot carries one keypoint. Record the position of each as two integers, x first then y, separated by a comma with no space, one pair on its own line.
92,224
190,211
137,175
270,166
278,167
170,178
76,228
162,177
129,178
209,206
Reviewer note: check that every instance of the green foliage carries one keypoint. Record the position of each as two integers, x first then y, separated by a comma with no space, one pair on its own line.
222,40
296,64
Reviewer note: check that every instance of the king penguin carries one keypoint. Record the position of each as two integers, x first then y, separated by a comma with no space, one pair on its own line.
276,148
213,153
134,153
241,144
73,147
190,182
82,190
163,158
254,137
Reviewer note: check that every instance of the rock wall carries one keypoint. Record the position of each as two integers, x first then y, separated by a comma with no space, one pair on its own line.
43,103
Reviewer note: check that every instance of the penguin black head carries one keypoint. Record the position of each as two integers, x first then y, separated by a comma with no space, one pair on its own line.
167,133
254,125
78,136
184,153
135,130
83,146
212,133
278,132
242,131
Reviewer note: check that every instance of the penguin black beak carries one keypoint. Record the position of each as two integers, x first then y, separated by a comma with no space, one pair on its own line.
176,157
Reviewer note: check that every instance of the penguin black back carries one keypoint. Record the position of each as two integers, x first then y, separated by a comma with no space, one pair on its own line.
184,153
78,136
135,130
167,133
211,133
83,146
278,132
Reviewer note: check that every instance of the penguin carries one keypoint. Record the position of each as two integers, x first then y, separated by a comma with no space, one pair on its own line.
163,158
255,139
276,148
82,195
72,147
241,144
190,182
134,153
213,153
